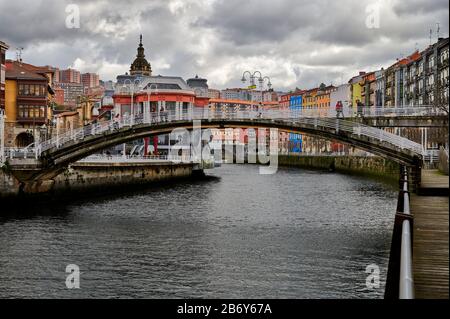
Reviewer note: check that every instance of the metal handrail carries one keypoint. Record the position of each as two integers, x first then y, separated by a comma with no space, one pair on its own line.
406,284
290,116
102,158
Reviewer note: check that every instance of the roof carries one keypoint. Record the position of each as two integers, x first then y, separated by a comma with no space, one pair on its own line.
198,82
161,81
140,65
17,70
243,102
37,69
3,45
65,114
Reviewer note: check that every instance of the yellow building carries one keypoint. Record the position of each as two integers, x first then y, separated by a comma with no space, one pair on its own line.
356,85
27,103
310,99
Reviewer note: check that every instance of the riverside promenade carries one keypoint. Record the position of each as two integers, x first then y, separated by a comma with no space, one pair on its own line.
430,209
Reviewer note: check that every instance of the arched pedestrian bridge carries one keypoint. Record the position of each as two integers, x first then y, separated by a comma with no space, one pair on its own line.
49,158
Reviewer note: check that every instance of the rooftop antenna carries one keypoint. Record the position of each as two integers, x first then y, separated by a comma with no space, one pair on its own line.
438,29
19,54
416,47
431,36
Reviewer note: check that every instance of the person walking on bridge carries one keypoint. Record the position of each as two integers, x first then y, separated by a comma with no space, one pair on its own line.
339,109
359,108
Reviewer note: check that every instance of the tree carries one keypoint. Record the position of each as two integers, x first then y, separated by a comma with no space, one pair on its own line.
440,103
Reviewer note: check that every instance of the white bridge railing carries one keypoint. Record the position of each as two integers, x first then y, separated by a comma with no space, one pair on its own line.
372,111
101,158
290,117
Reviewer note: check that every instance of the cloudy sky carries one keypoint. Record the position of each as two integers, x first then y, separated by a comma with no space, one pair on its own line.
297,43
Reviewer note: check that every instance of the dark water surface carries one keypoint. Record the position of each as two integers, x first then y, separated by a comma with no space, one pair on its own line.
295,234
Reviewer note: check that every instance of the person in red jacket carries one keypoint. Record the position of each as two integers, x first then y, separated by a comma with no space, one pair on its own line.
339,109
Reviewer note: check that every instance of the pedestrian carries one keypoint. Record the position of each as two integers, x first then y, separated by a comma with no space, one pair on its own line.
339,109
359,108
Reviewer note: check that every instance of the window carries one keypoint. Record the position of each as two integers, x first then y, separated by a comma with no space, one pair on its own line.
431,62
21,111
32,90
31,111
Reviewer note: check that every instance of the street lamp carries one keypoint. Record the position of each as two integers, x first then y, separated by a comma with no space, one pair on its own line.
260,78
133,85
257,75
149,93
44,131
269,85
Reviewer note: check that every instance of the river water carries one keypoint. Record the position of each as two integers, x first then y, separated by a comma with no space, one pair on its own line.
236,234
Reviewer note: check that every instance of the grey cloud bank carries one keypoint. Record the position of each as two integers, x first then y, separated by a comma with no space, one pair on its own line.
297,43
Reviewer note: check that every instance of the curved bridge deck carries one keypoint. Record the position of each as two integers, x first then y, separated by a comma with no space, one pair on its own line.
60,151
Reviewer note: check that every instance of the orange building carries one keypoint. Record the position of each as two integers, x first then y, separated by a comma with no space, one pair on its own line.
27,103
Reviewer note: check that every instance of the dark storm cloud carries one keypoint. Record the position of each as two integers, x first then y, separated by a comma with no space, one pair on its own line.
297,43
251,21
414,7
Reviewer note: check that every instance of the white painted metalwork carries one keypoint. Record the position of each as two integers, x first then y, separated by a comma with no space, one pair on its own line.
291,118
101,158
2,138
406,284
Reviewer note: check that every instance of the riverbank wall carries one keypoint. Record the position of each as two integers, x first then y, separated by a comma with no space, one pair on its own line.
369,166
81,178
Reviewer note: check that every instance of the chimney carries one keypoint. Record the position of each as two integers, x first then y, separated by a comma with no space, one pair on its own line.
362,72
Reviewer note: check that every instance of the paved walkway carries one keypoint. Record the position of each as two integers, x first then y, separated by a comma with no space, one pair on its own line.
431,238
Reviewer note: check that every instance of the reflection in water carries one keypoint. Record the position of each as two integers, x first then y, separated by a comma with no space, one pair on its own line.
295,234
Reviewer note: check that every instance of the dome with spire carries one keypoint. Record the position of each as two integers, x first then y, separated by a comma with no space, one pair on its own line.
140,66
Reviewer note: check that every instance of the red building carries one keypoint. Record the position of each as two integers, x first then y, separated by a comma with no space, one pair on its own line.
90,80
285,99
139,90
59,95
3,48
69,76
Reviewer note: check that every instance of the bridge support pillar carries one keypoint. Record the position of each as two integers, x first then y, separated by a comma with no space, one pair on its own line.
36,187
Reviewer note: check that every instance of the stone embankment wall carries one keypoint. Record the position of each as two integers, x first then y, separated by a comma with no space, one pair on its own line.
90,177
371,166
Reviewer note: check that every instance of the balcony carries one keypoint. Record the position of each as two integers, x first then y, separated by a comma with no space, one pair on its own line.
38,121
443,64
429,70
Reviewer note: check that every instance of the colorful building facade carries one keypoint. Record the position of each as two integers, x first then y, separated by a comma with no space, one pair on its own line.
3,48
356,85
28,97
296,140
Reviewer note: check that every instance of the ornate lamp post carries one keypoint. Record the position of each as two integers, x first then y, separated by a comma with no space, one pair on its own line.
269,85
149,94
253,77
133,85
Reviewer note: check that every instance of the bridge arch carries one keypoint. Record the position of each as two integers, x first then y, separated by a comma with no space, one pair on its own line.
56,154
24,139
